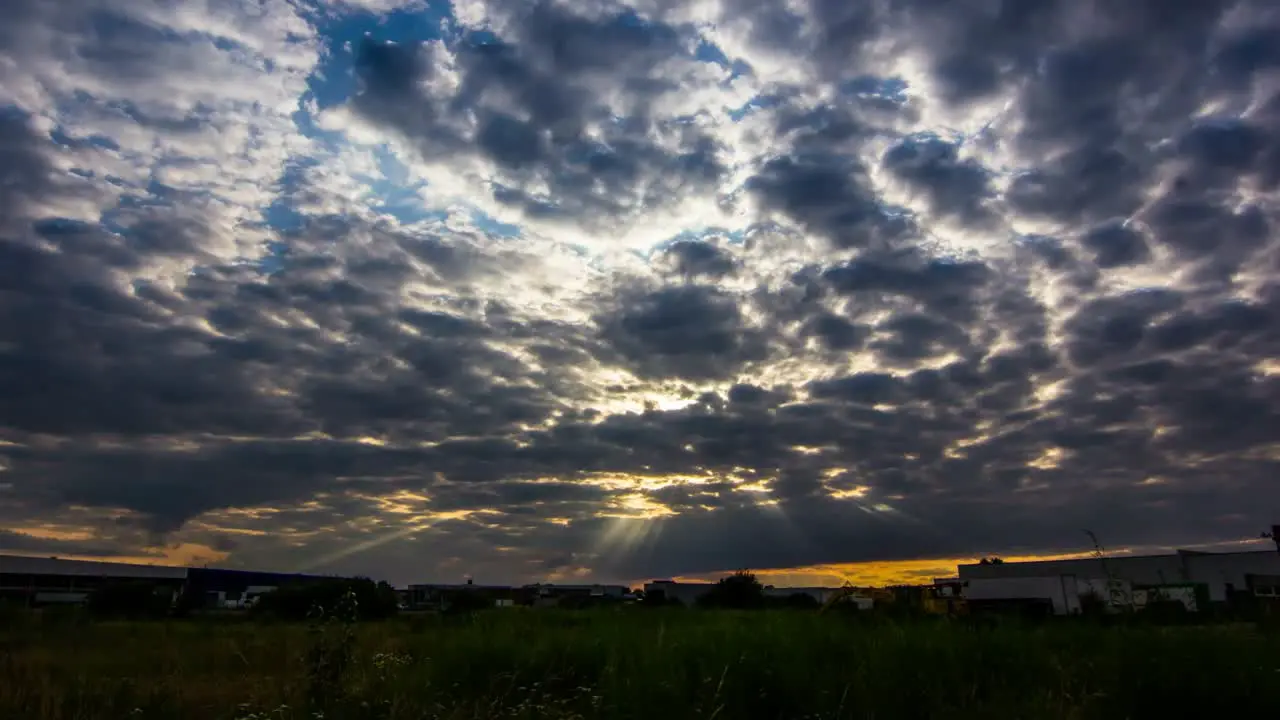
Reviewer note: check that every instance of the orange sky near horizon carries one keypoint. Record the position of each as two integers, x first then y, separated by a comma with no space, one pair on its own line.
923,571
870,574
862,574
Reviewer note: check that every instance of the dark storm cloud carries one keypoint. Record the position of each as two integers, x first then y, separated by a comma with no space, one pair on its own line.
942,287
862,389
838,333
168,487
910,338
830,195
26,169
692,258
695,332
954,186
1112,327
1116,245
29,178
84,355
819,179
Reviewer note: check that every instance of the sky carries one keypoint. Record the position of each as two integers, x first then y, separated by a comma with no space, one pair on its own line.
562,290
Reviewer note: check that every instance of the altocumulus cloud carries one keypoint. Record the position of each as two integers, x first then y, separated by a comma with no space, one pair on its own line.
560,289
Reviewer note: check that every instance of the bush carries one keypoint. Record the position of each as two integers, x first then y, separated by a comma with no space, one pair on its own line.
465,602
658,598
1165,612
373,601
738,591
135,600
799,601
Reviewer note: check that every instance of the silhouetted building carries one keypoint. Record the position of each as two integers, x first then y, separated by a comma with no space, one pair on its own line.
52,581
438,596
685,593
48,581
225,588
1223,577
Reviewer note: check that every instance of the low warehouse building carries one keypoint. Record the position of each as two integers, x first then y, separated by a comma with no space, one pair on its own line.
688,593
685,593
34,581
1127,580
214,588
438,596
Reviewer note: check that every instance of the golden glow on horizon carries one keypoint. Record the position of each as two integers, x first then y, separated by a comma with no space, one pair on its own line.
955,450
758,486
403,503
1269,367
179,555
923,571
870,574
857,492
1050,459
636,505
53,532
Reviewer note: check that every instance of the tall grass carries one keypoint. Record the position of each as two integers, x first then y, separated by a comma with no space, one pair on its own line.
633,664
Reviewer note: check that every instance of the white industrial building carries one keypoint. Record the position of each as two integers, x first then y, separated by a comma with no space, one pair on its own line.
1127,580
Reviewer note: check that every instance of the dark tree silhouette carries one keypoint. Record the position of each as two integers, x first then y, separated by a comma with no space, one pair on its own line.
307,599
740,590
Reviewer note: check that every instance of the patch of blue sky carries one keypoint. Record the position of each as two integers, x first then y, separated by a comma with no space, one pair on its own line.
732,237
1034,239
929,137
892,89
482,37
274,259
709,52
490,225
391,191
13,112
333,83
60,137
334,80
759,102
281,215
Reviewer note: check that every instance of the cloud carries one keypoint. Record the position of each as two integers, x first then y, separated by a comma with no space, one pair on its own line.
559,117
693,332
554,290
693,258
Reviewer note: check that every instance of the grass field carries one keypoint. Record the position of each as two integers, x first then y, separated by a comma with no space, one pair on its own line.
632,664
